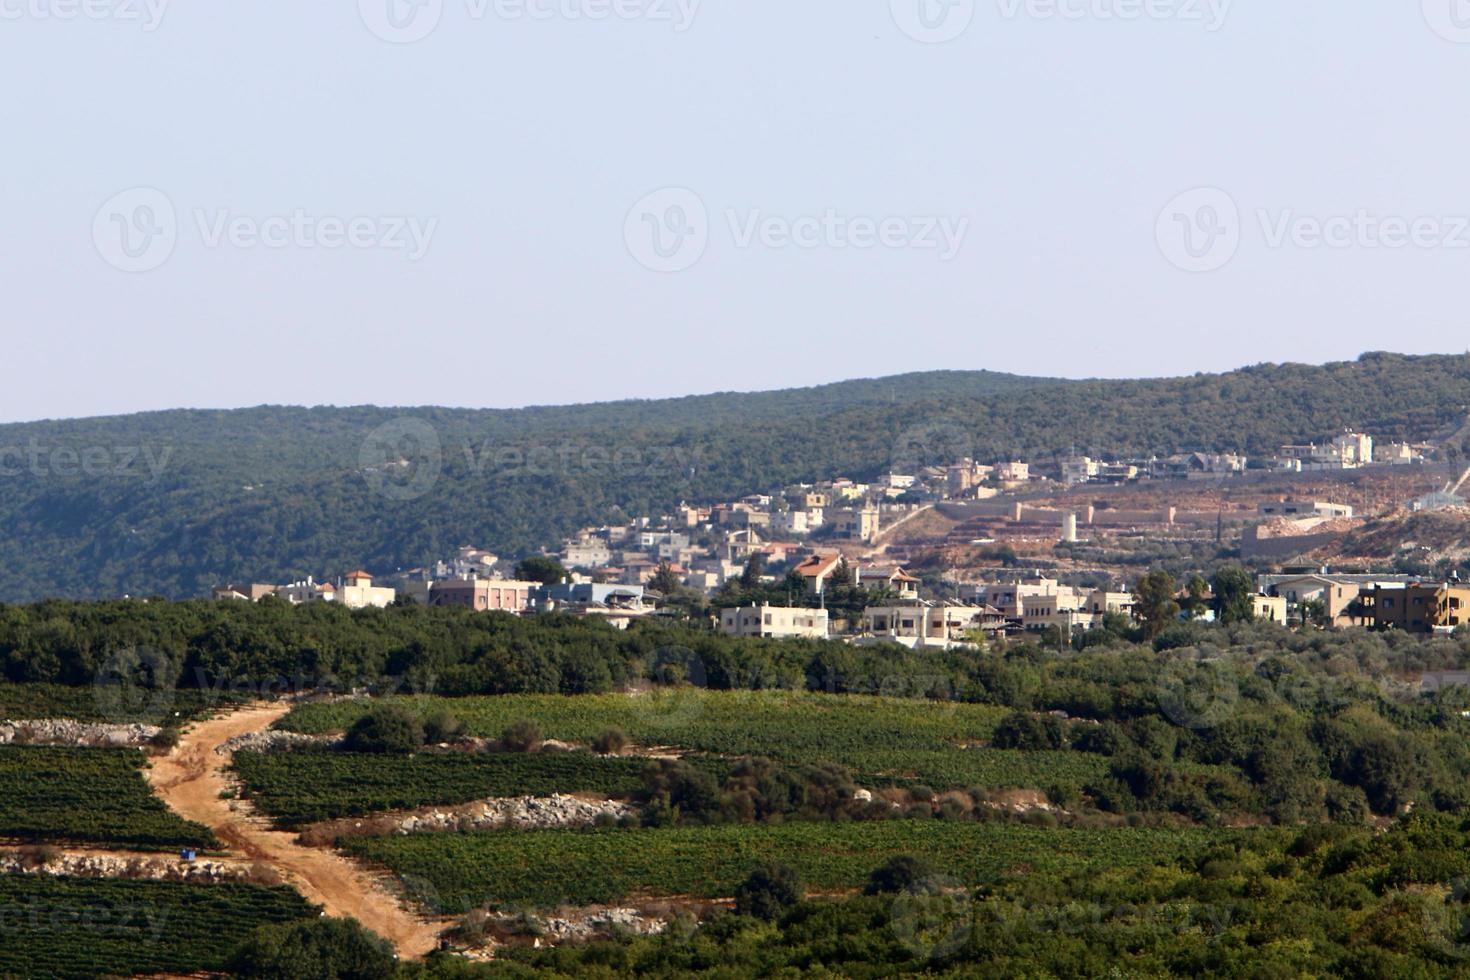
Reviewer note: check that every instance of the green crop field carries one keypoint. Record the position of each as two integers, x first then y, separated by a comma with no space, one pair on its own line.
776,724
104,703
550,868
88,795
72,927
302,786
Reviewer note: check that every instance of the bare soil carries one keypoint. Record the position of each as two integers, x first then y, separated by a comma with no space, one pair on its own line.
191,778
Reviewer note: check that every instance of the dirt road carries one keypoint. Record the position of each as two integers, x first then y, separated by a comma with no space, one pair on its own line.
190,779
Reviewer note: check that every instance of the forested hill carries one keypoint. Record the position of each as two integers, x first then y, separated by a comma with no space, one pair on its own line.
172,502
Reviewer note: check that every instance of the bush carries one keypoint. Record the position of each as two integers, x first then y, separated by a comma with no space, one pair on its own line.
317,948
167,738
442,726
521,736
386,729
610,742
904,873
770,890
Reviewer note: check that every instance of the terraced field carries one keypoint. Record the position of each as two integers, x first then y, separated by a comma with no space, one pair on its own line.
88,796
72,927
303,786
552,868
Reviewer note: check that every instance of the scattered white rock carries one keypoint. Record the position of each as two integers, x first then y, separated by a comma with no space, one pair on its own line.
113,866
521,813
271,741
69,732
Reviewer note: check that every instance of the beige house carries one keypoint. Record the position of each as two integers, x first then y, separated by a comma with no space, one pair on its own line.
928,627
774,622
358,592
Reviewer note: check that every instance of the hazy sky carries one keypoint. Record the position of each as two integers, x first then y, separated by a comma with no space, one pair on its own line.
507,202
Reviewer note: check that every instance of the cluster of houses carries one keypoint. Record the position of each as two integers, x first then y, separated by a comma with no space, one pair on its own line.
1387,602
1347,451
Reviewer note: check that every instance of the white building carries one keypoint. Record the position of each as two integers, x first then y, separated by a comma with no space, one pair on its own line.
774,622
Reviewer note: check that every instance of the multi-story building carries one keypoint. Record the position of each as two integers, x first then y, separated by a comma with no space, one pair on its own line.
483,595
1418,608
774,622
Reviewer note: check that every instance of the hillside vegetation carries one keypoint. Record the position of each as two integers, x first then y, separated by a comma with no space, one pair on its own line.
172,502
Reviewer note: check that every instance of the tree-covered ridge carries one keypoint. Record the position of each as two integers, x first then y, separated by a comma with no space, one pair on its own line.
173,502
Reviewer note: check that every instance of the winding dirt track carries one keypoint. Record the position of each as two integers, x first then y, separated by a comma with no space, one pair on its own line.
190,779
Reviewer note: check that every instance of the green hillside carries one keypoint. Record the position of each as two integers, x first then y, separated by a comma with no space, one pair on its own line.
172,502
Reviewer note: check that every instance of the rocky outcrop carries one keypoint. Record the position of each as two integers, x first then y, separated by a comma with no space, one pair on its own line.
520,813
601,924
273,741
83,865
68,732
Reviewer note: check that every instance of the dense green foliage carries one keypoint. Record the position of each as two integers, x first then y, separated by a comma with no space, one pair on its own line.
85,928
553,867
174,502
329,949
240,649
1327,902
88,795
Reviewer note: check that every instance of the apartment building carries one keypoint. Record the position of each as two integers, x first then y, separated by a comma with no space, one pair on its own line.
1418,608
483,595
774,622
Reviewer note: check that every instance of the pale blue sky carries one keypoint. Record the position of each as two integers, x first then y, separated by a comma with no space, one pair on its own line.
516,148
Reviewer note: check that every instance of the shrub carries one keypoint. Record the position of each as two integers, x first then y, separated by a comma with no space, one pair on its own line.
442,726
904,873
386,729
770,890
167,738
610,742
327,948
521,736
